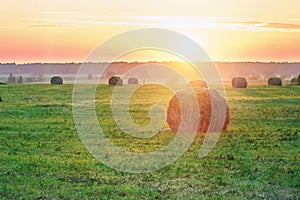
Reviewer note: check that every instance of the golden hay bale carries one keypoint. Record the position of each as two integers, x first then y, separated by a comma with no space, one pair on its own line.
115,81
275,82
206,98
133,81
294,81
239,82
198,83
56,80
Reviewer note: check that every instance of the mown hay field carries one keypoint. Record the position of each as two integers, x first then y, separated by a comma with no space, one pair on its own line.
42,157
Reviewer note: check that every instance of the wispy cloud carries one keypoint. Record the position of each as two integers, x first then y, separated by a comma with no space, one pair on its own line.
58,13
43,26
76,19
283,26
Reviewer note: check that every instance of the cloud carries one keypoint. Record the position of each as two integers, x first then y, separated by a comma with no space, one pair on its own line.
265,26
58,13
283,26
74,19
43,26
86,23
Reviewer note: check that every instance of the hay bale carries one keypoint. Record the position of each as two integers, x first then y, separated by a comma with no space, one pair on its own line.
133,81
29,80
206,98
115,81
90,77
294,81
198,83
56,80
20,80
11,78
239,82
275,82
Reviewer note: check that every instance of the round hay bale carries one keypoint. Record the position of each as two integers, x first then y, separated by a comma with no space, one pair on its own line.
239,82
11,78
205,99
20,80
275,82
29,80
90,76
115,81
56,80
198,83
294,81
133,81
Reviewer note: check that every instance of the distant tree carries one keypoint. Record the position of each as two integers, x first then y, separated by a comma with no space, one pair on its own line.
11,78
299,79
20,80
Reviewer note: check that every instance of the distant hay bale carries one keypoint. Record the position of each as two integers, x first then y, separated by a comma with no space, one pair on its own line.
29,80
294,81
90,76
133,81
198,83
115,81
206,98
20,80
275,82
11,78
239,82
56,80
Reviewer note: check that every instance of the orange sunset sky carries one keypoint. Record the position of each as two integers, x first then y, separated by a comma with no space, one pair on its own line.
229,30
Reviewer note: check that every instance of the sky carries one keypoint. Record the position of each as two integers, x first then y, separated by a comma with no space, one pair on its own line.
228,30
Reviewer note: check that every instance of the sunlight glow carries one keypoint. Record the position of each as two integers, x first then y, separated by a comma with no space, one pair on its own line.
66,31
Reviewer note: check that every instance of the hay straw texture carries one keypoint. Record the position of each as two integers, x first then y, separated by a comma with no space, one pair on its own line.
56,80
115,81
275,82
133,81
198,83
239,82
206,98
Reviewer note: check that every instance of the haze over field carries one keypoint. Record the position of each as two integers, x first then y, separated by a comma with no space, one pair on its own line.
250,70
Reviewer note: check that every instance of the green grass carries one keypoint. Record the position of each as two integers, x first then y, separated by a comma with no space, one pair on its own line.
42,157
